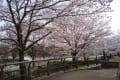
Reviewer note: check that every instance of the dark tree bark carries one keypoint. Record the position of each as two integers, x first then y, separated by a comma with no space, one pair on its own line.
13,56
23,71
74,59
84,56
104,55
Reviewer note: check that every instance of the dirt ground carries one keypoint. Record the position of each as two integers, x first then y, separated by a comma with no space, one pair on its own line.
104,74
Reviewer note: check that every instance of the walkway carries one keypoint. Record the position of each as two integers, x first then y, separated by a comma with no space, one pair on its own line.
104,74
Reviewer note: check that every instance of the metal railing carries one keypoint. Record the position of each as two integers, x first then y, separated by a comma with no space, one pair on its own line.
37,68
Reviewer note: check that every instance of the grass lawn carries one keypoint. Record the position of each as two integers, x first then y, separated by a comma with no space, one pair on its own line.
115,58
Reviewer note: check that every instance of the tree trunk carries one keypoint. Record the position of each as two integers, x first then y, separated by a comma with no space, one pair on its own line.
104,55
84,56
87,61
74,61
22,66
13,56
33,58
73,58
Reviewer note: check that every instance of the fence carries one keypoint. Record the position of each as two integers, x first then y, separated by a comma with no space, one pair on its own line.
37,68
118,72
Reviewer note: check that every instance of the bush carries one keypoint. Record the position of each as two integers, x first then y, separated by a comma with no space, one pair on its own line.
107,64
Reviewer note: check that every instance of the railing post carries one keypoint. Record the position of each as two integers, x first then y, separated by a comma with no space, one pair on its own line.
64,64
48,71
2,73
118,72
87,61
96,60
61,59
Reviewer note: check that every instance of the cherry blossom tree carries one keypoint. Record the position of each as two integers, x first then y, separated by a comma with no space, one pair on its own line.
77,33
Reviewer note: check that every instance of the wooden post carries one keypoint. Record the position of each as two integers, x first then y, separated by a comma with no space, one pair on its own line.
61,60
87,61
48,71
61,63
118,72
2,73
64,64
96,60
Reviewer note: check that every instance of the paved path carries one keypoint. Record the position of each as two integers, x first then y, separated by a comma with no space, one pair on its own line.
104,74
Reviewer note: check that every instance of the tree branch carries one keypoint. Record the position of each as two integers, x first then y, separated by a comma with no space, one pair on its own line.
37,40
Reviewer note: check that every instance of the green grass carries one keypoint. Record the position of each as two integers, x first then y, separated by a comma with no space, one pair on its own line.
115,58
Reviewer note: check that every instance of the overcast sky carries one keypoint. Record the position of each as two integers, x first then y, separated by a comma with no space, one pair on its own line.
115,22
